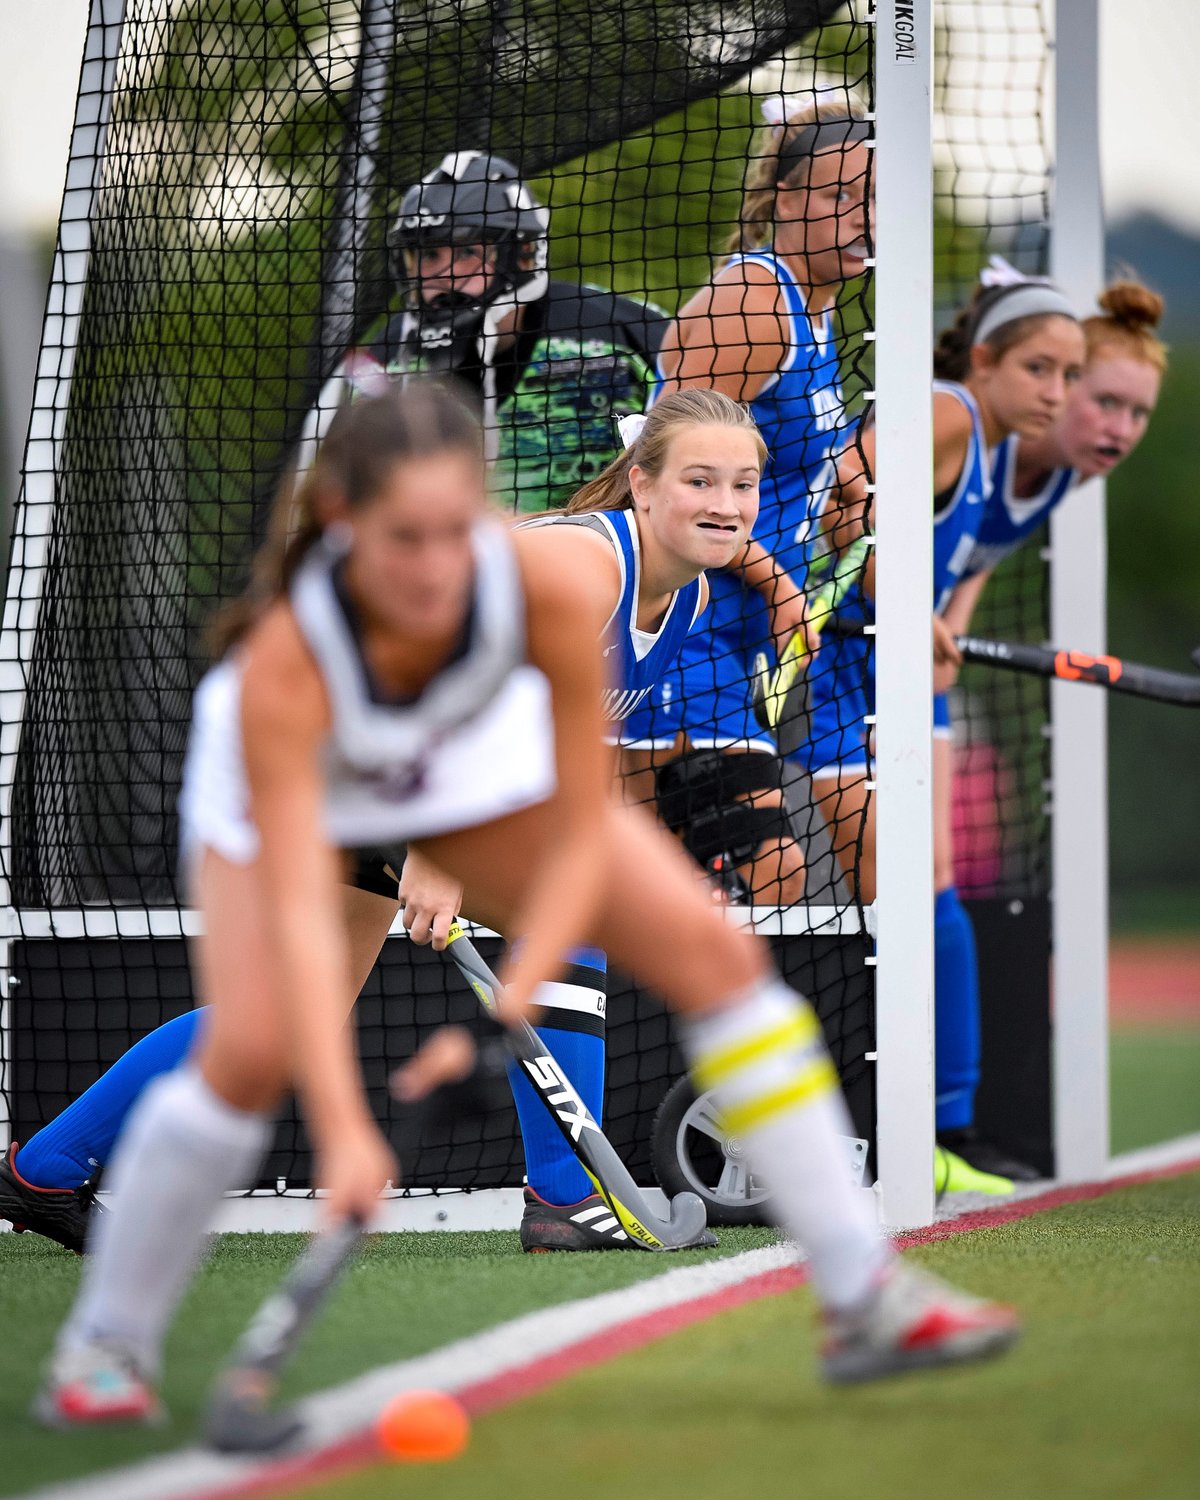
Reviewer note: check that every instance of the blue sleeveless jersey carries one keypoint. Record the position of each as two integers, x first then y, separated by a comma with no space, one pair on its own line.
800,414
1008,521
636,659
957,524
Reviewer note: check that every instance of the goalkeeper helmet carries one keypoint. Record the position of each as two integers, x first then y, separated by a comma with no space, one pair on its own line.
470,198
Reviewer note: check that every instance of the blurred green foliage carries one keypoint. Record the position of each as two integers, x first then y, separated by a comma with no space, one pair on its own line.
1154,616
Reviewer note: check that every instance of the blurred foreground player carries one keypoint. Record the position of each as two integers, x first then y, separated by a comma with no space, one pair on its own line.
401,641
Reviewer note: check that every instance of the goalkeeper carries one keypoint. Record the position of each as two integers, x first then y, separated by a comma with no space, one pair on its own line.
555,362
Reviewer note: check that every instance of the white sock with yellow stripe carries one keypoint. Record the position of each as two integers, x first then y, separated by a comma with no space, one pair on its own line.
777,1090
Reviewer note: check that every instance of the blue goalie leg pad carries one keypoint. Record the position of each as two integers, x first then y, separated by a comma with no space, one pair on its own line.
66,1152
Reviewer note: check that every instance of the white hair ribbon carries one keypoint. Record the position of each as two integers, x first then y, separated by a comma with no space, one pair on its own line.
1000,272
630,428
777,109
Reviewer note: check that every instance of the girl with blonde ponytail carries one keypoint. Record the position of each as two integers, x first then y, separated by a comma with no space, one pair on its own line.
761,331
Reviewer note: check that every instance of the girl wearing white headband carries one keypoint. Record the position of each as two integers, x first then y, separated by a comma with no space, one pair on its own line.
1004,367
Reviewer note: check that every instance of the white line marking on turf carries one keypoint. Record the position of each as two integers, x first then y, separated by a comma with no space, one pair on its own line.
347,1409
1155,1158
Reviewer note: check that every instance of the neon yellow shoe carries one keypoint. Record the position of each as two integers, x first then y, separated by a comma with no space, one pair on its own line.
951,1174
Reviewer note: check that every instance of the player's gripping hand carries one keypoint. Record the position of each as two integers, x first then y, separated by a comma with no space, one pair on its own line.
946,657
429,899
353,1165
788,608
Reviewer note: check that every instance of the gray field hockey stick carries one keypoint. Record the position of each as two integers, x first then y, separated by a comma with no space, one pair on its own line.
238,1418
595,1154
1077,666
780,699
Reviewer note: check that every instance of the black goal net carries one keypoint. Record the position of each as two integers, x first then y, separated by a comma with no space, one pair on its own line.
224,264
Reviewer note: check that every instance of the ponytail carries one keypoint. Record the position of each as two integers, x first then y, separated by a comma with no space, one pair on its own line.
694,406
781,155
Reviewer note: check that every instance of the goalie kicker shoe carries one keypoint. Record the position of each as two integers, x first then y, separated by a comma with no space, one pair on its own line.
587,1225
96,1385
60,1214
913,1321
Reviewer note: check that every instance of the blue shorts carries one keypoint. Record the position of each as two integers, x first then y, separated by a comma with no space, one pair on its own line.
705,696
841,687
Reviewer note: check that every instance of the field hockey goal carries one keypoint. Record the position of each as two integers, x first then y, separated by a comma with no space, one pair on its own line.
223,243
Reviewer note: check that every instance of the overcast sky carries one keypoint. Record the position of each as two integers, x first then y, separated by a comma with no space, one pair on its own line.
1150,102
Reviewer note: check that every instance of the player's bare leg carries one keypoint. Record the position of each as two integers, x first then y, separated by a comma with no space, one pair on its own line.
195,1133
758,1044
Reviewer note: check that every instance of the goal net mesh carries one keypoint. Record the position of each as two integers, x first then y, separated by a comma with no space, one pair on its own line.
223,245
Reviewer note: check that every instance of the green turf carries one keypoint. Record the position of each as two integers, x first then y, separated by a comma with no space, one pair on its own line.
407,1294
1101,1401
1155,1088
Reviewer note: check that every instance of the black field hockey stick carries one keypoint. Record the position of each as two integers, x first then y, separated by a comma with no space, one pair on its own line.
1077,666
780,699
568,1111
239,1418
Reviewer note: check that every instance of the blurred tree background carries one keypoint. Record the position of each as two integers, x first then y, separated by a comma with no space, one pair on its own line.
1154,616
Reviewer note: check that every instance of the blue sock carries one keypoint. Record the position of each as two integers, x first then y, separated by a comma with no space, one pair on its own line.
573,1030
956,1013
66,1152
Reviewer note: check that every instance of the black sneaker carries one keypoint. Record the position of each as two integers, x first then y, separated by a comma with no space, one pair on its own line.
986,1156
587,1225
61,1214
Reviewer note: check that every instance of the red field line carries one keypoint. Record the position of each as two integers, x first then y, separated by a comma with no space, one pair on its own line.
488,1395
1154,982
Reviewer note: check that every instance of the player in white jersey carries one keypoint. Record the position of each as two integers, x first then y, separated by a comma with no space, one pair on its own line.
631,535
448,636
680,498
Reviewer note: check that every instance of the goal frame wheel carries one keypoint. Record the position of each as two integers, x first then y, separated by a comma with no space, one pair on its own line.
682,1118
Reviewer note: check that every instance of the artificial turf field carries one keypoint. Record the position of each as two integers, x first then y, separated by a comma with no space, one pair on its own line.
1102,1398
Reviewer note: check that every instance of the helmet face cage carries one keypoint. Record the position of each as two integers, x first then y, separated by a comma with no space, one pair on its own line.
471,199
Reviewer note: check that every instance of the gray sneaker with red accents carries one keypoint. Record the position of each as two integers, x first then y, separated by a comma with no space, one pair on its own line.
96,1385
913,1322
587,1225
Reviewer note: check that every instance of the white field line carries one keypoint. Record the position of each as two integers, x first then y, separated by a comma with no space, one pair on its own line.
347,1409
1157,1158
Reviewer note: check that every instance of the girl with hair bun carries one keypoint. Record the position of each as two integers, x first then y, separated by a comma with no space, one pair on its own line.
1104,420
1105,417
